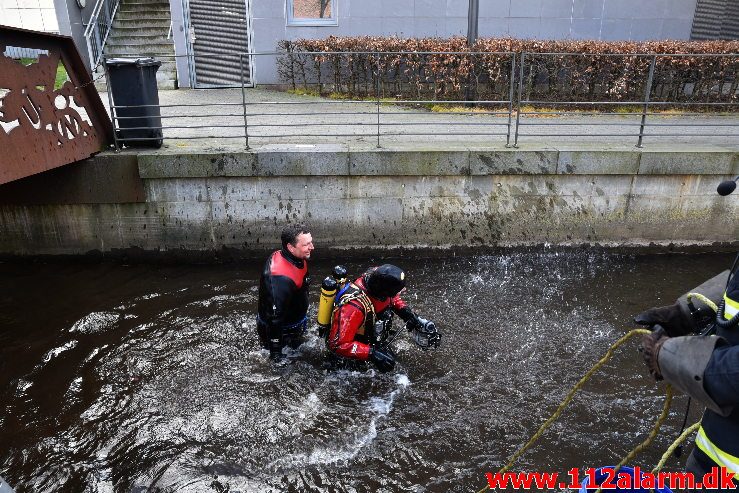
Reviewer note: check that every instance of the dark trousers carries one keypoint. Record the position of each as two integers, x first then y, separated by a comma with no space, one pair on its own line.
289,336
694,466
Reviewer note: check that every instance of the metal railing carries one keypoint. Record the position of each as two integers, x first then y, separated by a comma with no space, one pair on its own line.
638,108
522,110
98,29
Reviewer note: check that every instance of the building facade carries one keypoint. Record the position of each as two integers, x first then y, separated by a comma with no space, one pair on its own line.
208,37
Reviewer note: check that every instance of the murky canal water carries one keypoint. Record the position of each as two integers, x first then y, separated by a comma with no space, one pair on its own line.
150,378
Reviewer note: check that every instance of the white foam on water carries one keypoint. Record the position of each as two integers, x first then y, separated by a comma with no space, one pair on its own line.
23,385
95,322
310,408
53,353
402,380
93,353
75,387
379,407
221,298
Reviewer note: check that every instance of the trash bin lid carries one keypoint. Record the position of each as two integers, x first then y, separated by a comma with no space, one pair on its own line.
139,62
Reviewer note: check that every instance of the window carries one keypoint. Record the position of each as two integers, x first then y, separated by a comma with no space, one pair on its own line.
311,13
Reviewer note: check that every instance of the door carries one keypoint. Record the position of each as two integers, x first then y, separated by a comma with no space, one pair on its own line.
219,32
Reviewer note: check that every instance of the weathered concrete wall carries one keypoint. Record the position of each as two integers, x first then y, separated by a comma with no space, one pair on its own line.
356,198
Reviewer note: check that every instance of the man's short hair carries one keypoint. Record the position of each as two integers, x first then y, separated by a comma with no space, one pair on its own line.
290,234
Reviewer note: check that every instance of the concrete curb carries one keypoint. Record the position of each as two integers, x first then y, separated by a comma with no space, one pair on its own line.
340,160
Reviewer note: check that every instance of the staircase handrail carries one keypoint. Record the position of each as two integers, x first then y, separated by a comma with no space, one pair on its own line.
98,28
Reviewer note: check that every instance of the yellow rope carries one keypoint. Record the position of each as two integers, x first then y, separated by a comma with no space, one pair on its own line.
705,300
568,398
685,434
657,425
652,434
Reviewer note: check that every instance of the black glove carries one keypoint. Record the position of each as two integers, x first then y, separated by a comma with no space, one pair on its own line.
382,358
673,320
650,346
424,333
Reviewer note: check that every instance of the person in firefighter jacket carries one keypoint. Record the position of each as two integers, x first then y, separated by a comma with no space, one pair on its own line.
706,367
283,292
358,308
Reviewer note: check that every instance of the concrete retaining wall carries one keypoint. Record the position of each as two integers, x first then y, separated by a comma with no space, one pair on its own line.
407,197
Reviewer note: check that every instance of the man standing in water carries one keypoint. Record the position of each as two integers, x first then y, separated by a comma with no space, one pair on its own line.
283,292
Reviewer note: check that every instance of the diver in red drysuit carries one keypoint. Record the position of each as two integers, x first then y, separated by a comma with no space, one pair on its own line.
364,302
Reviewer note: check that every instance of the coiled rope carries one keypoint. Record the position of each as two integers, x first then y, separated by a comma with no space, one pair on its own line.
569,397
655,429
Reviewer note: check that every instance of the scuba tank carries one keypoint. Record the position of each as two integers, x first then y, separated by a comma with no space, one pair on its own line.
329,287
325,304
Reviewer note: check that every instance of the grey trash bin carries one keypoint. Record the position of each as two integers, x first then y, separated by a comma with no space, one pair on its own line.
133,82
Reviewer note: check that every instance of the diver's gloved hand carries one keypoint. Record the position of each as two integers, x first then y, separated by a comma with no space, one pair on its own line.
425,334
650,347
672,319
382,359
415,322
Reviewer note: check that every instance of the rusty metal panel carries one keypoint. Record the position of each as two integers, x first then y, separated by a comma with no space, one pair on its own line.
42,128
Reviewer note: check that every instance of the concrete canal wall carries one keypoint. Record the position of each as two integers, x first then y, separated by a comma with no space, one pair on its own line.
159,201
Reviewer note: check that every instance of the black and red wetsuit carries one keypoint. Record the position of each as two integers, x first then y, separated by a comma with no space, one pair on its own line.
352,324
283,298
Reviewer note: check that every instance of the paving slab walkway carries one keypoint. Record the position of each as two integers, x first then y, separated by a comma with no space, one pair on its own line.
214,119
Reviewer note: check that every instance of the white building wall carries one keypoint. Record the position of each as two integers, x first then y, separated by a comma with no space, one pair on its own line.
608,20
37,15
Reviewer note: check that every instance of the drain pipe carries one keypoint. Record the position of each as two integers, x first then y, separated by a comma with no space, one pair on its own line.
473,14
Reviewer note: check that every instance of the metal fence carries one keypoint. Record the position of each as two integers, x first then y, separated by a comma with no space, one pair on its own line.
523,101
98,29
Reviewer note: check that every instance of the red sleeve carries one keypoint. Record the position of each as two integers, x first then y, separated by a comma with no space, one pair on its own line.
344,330
397,303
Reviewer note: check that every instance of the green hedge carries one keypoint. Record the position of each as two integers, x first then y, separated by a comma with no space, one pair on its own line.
585,71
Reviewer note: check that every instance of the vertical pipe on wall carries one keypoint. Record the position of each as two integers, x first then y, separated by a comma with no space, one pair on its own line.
473,15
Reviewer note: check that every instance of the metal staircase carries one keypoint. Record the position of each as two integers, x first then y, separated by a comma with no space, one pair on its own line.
142,28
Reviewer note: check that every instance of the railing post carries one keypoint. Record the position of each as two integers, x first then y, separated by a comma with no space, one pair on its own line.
518,100
113,116
510,99
98,44
377,91
243,99
647,92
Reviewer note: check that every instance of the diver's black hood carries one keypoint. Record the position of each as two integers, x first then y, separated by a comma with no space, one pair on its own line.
384,281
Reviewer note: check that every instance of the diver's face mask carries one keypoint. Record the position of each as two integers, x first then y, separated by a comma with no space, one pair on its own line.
425,335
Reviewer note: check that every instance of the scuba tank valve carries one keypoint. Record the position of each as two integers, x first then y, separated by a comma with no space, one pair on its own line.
339,274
